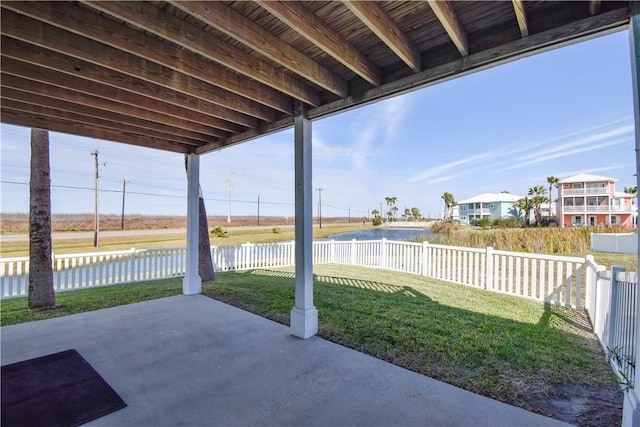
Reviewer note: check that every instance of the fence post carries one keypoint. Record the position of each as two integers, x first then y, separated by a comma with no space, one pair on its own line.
425,257
353,252
613,319
332,252
383,253
488,284
590,283
133,264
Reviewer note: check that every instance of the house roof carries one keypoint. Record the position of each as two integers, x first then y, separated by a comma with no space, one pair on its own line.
491,198
195,76
585,177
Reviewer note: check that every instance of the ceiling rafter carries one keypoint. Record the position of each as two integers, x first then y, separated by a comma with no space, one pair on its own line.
372,15
191,74
34,86
521,16
55,113
449,20
154,128
41,57
20,118
123,97
224,19
307,24
148,17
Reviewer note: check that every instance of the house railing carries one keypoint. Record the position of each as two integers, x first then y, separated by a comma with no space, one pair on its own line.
583,191
597,208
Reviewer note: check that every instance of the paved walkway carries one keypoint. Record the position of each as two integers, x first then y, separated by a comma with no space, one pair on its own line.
194,361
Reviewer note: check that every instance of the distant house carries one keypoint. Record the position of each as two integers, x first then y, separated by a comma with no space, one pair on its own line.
593,200
487,205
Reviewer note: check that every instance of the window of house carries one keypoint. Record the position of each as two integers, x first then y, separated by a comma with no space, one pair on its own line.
615,219
568,201
463,208
576,220
577,185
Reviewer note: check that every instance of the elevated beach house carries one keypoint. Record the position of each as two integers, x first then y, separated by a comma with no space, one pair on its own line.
592,200
487,205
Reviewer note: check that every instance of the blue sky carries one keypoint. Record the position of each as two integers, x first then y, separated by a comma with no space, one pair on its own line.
560,113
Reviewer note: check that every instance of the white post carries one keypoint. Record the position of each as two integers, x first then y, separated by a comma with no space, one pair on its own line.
488,284
304,316
631,408
192,284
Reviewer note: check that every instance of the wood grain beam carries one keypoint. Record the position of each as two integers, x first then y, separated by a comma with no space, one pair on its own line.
594,7
20,118
36,55
314,29
150,18
449,20
185,71
370,13
223,18
521,16
262,130
144,126
92,121
123,97
72,96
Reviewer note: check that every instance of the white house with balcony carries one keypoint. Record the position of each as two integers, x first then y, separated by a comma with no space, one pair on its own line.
487,205
592,200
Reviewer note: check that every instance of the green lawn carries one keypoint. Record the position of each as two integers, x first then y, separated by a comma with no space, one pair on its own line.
515,350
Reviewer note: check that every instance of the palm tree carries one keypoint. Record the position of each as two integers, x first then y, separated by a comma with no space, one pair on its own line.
525,205
631,190
449,202
538,198
551,180
415,212
41,294
391,201
407,214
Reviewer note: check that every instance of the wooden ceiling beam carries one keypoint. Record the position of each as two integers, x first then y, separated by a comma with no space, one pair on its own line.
223,18
150,18
370,13
79,98
191,74
449,20
314,29
262,130
151,128
20,118
36,55
521,16
92,121
123,97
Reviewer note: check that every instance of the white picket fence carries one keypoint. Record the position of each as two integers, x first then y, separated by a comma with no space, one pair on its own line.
612,308
555,279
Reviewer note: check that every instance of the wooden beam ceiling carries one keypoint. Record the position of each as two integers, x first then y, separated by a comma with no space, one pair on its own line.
449,20
306,23
372,15
196,76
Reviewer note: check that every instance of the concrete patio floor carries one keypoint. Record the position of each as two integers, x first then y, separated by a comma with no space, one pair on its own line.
194,361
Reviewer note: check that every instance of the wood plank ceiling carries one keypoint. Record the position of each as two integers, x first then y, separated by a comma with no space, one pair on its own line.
194,76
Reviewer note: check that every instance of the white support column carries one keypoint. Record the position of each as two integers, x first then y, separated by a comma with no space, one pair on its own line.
192,284
631,408
304,316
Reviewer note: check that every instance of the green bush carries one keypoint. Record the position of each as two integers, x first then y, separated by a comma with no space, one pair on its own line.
377,220
276,230
219,232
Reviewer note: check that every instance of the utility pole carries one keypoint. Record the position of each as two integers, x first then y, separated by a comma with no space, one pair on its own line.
124,190
258,209
229,196
96,217
320,207
349,214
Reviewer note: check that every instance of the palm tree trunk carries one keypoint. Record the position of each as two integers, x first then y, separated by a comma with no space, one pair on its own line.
41,293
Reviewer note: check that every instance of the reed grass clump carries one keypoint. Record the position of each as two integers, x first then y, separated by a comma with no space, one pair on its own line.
532,240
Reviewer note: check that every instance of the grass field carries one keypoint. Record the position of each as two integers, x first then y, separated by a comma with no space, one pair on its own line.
515,350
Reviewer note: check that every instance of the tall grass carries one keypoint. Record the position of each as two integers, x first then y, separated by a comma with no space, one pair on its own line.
534,240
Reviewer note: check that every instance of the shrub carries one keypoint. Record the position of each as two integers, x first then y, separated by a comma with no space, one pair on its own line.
275,230
219,232
377,220
484,223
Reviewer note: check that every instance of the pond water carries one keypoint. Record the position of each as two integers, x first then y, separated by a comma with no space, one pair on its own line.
383,233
